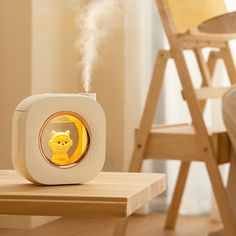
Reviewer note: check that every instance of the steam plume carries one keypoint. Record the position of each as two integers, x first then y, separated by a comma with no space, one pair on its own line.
90,22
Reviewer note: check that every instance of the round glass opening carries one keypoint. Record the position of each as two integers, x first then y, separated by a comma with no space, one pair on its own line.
64,139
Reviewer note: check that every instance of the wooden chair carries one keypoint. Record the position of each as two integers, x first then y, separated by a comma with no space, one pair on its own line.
190,142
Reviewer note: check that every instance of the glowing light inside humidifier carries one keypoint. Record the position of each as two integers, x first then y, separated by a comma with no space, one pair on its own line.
64,139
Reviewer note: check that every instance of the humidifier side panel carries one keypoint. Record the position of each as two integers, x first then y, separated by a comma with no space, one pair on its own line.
19,144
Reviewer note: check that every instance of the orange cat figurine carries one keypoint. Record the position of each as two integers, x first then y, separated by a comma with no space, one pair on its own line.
60,144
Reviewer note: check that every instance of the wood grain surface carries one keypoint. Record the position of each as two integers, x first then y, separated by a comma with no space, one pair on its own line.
108,195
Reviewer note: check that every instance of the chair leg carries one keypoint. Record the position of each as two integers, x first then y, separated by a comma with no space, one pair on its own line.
206,70
231,190
178,193
222,199
219,190
212,60
205,143
229,63
142,134
120,228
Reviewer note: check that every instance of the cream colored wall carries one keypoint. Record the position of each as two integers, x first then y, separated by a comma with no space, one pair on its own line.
53,55
138,67
15,66
109,84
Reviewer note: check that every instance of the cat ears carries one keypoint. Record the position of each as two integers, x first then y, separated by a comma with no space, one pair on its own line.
54,132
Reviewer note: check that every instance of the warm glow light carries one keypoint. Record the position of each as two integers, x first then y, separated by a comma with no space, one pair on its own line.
64,139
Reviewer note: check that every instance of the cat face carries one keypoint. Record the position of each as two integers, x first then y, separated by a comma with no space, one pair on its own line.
60,141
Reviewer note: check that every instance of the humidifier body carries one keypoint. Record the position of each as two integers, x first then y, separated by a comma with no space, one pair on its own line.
59,139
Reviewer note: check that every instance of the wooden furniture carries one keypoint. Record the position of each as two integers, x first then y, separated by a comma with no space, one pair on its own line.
189,142
115,195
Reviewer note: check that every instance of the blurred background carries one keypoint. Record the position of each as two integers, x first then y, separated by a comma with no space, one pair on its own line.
38,56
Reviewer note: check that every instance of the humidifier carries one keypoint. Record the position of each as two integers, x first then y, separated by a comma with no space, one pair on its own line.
59,138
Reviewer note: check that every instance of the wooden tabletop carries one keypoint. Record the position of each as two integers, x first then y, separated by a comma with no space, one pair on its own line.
223,24
108,195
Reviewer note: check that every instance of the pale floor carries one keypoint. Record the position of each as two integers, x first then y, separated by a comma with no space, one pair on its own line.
149,225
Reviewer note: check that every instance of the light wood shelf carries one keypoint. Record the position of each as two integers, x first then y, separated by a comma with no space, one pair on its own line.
108,195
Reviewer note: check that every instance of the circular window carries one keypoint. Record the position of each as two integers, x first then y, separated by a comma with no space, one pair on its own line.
64,139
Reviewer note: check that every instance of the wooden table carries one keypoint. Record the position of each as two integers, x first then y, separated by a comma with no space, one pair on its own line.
223,24
108,195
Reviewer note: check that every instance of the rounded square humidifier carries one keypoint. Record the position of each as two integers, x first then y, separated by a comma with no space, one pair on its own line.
59,138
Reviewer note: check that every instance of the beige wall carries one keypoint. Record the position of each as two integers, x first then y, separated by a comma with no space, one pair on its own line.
109,84
53,55
15,66
138,67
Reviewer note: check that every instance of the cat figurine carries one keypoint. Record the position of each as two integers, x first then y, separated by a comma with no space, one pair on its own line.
60,144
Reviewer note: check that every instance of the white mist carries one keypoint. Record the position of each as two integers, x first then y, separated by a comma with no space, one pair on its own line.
90,21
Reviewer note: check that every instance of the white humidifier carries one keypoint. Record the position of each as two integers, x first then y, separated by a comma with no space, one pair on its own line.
59,138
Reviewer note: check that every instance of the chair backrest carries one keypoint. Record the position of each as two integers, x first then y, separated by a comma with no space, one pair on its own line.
187,14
